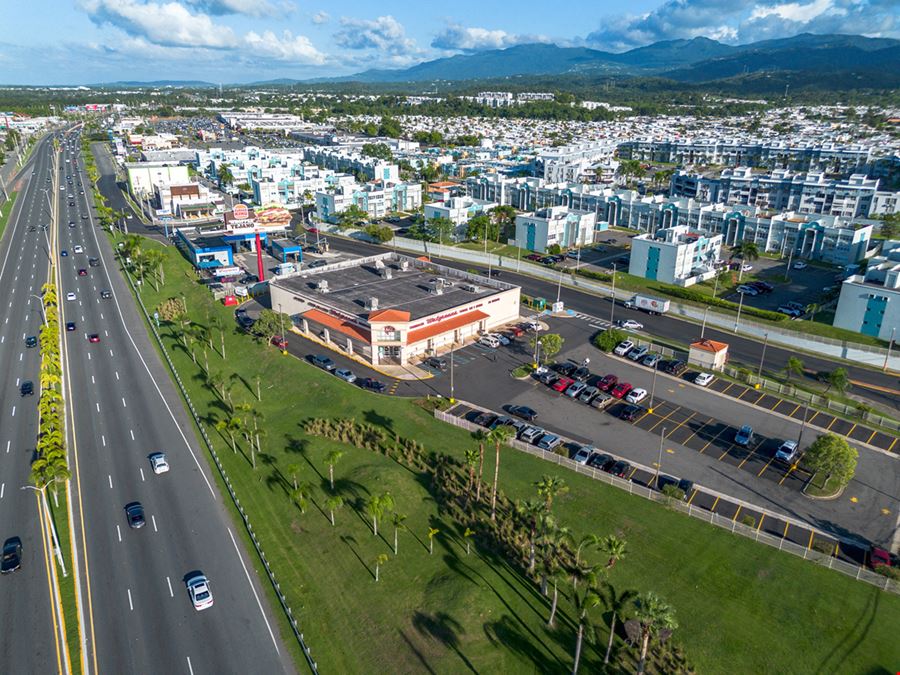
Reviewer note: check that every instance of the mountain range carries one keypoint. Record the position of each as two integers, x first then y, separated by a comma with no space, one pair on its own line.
698,60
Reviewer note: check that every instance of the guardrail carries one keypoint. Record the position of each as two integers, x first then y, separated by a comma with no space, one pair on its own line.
237,502
858,572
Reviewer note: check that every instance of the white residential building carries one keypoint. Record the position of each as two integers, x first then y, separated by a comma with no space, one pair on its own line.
675,255
458,210
377,199
870,303
143,177
554,225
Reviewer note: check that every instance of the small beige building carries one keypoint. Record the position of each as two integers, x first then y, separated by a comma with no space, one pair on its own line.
708,354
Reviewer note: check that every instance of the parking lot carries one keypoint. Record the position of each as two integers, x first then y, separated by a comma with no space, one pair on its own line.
806,285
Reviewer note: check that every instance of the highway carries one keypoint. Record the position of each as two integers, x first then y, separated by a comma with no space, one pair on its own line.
122,408
885,387
28,639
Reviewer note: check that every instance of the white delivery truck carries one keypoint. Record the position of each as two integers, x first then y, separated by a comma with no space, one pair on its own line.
285,268
648,304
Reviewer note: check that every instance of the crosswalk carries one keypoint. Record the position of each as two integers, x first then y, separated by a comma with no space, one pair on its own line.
593,321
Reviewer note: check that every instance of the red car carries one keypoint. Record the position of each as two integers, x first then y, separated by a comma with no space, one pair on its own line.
878,557
562,384
516,331
82,273
607,382
93,337
279,342
621,389
533,256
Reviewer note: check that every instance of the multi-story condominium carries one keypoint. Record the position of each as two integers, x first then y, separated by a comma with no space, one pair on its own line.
289,187
350,161
830,158
675,255
554,225
377,199
782,190
870,303
458,210
569,163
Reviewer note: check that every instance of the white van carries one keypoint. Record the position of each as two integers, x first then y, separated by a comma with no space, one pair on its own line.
491,341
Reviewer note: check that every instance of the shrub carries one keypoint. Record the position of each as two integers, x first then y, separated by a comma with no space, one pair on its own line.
608,339
522,371
673,491
694,295
749,521
823,546
597,276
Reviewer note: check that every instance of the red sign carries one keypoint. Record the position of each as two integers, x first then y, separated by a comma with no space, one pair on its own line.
240,212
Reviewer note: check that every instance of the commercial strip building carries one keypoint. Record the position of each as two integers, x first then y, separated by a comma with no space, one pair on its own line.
555,225
392,309
870,303
675,255
783,190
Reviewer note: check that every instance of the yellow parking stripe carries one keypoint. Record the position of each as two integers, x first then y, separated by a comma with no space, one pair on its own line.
744,461
810,420
633,471
786,528
692,497
851,430
678,426
828,428
761,519
893,444
727,450
699,429
791,414
715,503
869,439
734,520
777,403
745,392
663,419
728,387
811,535
763,470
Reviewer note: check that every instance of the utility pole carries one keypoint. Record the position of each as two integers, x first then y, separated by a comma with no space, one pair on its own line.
762,358
662,436
612,309
738,317
703,325
887,356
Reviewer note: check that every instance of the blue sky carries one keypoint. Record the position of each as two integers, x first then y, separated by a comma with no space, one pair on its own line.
85,41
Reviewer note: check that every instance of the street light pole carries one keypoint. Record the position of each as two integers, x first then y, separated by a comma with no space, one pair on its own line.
762,358
703,325
613,308
662,437
41,304
55,539
738,317
452,389
890,344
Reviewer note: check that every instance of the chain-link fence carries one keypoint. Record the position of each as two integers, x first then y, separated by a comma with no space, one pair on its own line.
856,571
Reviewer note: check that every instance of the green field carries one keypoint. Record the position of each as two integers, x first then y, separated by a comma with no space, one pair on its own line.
6,210
742,607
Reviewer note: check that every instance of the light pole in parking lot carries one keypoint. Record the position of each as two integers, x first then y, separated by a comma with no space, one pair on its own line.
452,391
662,437
737,319
653,386
887,356
761,359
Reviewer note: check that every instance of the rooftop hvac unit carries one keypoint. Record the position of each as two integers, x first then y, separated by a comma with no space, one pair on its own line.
379,265
404,265
436,288
372,303
472,288
322,286
387,273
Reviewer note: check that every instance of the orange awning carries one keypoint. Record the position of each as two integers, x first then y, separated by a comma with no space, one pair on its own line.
444,326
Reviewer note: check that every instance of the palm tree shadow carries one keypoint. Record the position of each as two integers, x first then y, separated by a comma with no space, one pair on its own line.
416,652
507,633
351,544
375,418
443,628
842,652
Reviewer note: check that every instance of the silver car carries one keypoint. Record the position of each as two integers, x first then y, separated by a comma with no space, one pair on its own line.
345,374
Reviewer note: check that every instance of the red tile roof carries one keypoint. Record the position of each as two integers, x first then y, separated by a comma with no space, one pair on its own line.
396,315
339,325
710,345
443,326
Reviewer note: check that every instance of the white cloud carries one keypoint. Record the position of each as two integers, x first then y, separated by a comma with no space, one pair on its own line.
248,7
320,17
384,34
793,11
456,37
169,23
290,48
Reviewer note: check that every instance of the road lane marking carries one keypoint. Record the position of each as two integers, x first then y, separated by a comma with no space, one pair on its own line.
153,518
190,670
92,380
124,405
130,603
111,352
98,407
171,594
103,440
252,588
117,374
7,446
14,411
119,532
131,431
110,480
2,489
142,474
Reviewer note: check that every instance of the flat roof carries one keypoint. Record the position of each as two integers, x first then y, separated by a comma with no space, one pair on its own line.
350,287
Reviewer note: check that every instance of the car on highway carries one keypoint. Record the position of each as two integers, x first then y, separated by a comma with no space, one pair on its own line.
575,389
134,514
703,379
63,253
71,223
744,435
82,272
93,338
651,360
620,390
587,394
524,412
548,441
12,555
638,353
31,341
70,326
322,362
106,295
372,385
629,324
158,463
582,454
78,249
345,374
623,348
607,382
94,262
436,362
200,592
562,384
630,413
70,296
636,395
621,469
27,388
787,451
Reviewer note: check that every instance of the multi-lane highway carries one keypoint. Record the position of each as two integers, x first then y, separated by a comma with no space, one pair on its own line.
121,408
29,640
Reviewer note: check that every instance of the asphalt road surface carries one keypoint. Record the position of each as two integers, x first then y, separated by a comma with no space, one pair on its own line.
123,407
28,639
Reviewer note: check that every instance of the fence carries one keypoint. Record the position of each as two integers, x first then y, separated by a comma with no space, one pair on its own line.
856,571
237,502
812,399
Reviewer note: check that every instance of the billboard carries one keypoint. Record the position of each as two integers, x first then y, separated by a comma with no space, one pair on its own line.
273,215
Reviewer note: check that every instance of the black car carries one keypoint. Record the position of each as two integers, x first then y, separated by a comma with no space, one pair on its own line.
12,555
27,388
31,341
566,369
436,362
581,374
601,461
675,367
630,413
322,362
620,469
106,295
243,319
524,412
94,262
686,486
372,384
70,326
485,419
134,512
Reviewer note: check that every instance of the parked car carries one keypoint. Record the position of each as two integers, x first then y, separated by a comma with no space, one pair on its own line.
566,369
621,390
746,267
607,382
703,379
345,374
787,451
582,454
372,385
562,384
530,433
587,394
799,265
790,311
322,362
548,441
620,469
601,400
279,342
485,419
602,461
748,290
630,413
548,377
650,360
523,411
436,362
575,389
636,395
638,353
581,374
490,341
675,368
744,435
623,348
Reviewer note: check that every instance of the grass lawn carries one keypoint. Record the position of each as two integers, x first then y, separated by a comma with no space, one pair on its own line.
738,603
495,248
66,584
819,487
6,209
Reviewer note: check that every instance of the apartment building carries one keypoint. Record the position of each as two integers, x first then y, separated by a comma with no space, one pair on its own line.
377,199
870,303
458,210
143,177
570,163
675,255
554,225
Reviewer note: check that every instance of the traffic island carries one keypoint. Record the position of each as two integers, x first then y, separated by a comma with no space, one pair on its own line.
824,489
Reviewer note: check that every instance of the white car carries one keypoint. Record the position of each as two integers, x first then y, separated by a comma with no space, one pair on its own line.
636,395
799,265
623,348
489,341
583,454
198,589
78,249
703,379
631,324
502,338
158,463
70,296
746,267
787,452
749,290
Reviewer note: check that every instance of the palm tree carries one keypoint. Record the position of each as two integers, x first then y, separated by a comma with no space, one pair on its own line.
653,615
500,435
397,521
617,604
613,548
584,603
549,487
376,505
292,471
471,462
333,503
219,325
530,511
380,560
331,459
301,494
232,425
467,535
480,436
432,532
58,472
793,367
746,250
